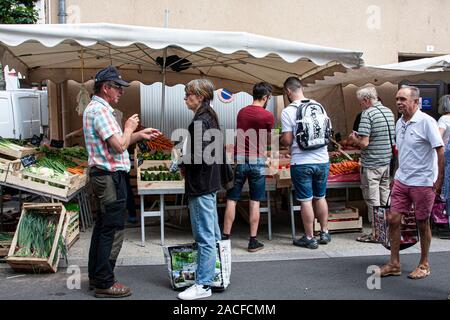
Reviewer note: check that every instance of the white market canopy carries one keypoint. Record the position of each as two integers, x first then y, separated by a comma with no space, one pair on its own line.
427,69
232,60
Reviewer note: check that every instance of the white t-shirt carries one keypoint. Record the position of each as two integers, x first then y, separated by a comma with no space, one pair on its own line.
444,123
298,156
417,157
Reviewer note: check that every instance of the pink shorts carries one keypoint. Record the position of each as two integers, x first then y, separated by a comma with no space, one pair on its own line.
404,197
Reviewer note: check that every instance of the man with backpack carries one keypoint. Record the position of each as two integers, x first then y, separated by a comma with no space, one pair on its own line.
375,136
306,128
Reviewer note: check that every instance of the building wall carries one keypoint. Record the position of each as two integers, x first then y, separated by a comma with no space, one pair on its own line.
379,28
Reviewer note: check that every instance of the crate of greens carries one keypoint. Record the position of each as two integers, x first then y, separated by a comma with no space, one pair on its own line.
156,175
48,175
16,148
150,156
38,242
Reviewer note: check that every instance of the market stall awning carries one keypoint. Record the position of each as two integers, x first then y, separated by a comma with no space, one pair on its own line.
233,60
427,69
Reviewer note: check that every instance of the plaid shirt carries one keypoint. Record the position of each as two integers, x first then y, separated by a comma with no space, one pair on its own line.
99,124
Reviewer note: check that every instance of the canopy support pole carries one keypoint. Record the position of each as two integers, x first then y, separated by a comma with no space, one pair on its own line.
163,89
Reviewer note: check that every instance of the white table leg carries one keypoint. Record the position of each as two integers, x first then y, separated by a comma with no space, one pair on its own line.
161,216
142,222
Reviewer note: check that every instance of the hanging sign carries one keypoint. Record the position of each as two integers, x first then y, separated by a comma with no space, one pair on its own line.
226,96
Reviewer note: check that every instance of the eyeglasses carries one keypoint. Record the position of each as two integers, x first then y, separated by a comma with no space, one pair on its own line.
116,86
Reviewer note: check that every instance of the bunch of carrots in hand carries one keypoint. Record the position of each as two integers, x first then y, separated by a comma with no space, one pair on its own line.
343,167
160,143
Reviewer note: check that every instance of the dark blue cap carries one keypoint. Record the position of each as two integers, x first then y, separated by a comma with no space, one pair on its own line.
110,73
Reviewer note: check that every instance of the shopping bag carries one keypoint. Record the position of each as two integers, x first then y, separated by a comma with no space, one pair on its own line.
182,264
438,213
409,234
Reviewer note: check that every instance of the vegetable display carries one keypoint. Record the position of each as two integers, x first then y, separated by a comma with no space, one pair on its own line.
149,175
14,144
154,156
6,236
161,143
158,168
343,167
36,233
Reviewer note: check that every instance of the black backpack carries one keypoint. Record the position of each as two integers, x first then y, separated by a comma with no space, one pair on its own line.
313,126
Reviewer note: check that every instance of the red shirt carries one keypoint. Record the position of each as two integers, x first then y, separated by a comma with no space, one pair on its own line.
250,141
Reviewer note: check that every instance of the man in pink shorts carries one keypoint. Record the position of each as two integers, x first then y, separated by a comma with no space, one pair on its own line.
418,178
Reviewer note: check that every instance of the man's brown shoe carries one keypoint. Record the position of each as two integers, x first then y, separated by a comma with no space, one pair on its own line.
390,270
116,291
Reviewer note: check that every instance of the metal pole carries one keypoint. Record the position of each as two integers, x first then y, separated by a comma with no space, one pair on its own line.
62,12
163,89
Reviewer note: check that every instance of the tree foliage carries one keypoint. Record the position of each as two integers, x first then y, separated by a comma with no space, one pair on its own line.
18,12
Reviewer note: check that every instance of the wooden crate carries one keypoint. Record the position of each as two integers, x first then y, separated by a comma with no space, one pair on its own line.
343,225
342,213
17,176
31,264
146,162
4,167
72,228
156,184
17,154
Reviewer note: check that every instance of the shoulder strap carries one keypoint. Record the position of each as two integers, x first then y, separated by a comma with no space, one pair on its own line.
387,123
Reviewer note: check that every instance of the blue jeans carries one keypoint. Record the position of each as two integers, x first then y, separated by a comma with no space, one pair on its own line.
206,231
310,180
254,172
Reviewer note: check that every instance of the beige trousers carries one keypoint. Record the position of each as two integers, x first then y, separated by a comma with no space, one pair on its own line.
375,187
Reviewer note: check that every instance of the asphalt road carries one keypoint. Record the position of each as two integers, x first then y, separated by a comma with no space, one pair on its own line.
315,279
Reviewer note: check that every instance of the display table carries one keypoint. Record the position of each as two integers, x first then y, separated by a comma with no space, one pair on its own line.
80,195
270,186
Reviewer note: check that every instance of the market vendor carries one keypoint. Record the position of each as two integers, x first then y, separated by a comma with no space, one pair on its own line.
109,164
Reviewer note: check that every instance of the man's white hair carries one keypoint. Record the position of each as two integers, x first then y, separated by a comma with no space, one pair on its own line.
367,93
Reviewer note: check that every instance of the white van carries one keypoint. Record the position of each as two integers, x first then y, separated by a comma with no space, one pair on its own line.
23,112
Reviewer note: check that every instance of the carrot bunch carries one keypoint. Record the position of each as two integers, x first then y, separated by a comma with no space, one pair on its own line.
160,143
343,167
76,170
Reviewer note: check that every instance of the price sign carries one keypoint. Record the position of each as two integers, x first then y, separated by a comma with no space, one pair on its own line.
57,143
28,160
140,161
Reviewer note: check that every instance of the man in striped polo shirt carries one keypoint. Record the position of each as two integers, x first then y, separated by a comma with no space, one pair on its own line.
373,137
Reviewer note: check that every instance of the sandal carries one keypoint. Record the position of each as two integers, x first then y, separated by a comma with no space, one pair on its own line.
368,238
420,272
390,270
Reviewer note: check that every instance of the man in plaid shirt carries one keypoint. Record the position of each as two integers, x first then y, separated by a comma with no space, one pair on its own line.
109,164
